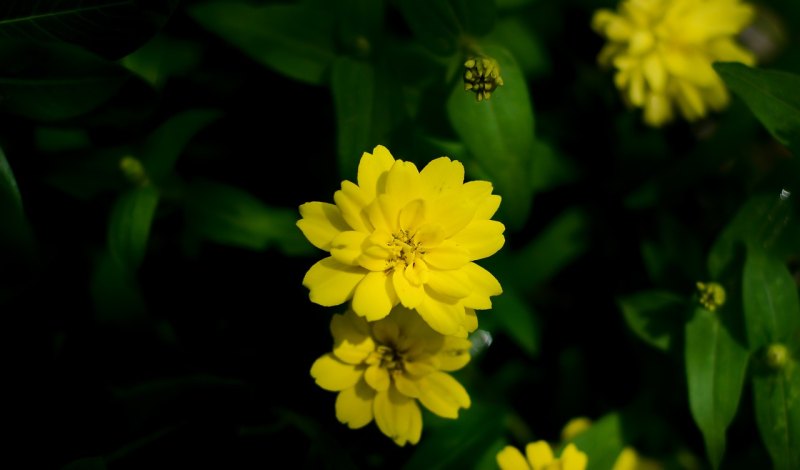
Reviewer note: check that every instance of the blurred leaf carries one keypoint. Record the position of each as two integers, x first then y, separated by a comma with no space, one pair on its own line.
777,411
353,87
656,316
715,369
602,442
115,292
165,145
676,257
230,216
360,24
16,233
110,28
129,226
50,82
772,95
517,320
86,463
295,40
434,22
499,134
55,139
489,459
161,58
523,43
476,16
771,304
549,168
458,444
87,175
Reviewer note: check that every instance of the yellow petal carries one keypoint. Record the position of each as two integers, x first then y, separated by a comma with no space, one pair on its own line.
384,213
690,101
398,416
417,369
636,90
406,385
482,285
321,223
443,315
351,341
574,427
410,295
377,377
626,460
332,283
386,330
488,207
352,202
470,320
354,405
333,374
412,215
510,458
454,354
539,455
447,255
452,212
347,247
374,296
482,238
727,50
373,168
442,394
654,73
657,110
573,459
440,175
376,252
403,183
452,283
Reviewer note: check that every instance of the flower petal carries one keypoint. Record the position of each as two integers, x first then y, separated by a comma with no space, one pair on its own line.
352,202
406,385
398,416
354,405
321,223
374,296
452,283
384,213
410,295
482,238
539,455
347,247
334,375
482,286
332,283
442,394
372,169
573,459
454,354
377,377
442,314
488,207
376,252
441,175
351,340
447,255
510,458
403,183
412,215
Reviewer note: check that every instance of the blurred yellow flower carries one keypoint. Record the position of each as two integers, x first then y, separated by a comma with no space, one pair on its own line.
663,50
382,368
629,459
403,236
540,457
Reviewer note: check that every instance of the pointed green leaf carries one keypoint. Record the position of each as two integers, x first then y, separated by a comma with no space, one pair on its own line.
777,408
16,231
353,87
228,215
162,58
55,81
434,22
499,134
771,304
129,227
715,369
772,95
656,316
115,292
295,40
110,28
165,145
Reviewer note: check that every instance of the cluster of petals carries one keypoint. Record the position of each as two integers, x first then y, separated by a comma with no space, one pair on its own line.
663,50
539,456
383,370
402,236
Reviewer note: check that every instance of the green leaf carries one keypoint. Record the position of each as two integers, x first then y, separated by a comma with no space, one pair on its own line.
715,369
165,145
771,304
772,95
549,168
499,134
777,411
129,227
353,88
110,28
476,16
115,292
295,40
523,43
51,82
162,58
230,216
602,442
16,233
517,320
434,22
86,463
655,316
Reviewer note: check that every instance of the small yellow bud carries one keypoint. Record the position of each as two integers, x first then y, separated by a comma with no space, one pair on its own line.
712,295
574,427
134,171
482,75
777,356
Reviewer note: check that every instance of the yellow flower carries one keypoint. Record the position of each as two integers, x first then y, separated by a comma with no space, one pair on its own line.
403,236
629,459
540,457
382,368
662,51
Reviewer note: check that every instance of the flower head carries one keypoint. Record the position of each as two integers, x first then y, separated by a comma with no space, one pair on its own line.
540,457
482,77
382,369
403,236
712,295
663,50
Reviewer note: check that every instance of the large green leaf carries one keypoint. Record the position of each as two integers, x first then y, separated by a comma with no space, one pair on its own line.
772,95
771,305
602,442
435,23
129,227
656,316
163,147
499,134
115,292
111,28
777,408
230,216
54,81
716,364
294,40
353,88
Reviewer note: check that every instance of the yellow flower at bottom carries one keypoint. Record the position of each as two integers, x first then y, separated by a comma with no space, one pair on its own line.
663,52
382,369
540,457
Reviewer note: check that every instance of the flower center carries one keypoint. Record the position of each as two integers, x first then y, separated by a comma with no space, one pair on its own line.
389,359
405,249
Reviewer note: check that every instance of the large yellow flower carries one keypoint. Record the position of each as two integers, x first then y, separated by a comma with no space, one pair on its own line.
662,51
540,457
382,368
403,236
